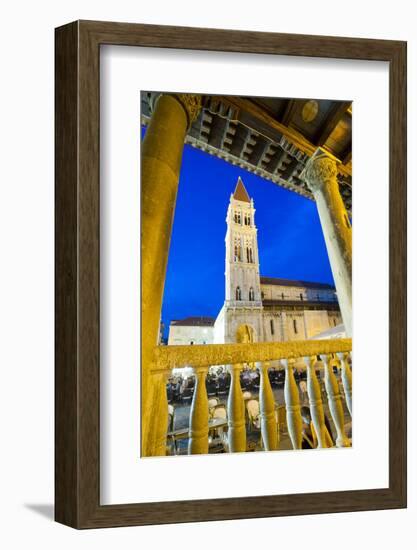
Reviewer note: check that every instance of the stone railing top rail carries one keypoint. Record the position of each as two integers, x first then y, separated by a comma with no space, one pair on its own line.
169,357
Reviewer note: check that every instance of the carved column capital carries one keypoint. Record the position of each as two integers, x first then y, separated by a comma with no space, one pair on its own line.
191,104
320,171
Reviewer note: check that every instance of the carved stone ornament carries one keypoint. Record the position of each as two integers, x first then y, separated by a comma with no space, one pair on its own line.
320,170
190,103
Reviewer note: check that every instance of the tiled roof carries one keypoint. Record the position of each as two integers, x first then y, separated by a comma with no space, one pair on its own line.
323,304
240,193
194,322
289,282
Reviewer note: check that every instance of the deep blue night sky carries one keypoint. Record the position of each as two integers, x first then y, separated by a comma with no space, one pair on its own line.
290,239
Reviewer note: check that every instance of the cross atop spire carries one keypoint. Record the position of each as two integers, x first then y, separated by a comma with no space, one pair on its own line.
240,193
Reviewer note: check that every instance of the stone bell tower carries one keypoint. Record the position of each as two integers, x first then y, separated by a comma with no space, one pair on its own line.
243,302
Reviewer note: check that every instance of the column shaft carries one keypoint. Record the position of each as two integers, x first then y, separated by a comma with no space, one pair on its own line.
346,379
335,402
316,404
198,435
236,413
320,174
292,405
160,167
269,426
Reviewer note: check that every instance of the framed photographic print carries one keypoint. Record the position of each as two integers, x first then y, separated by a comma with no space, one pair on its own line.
230,274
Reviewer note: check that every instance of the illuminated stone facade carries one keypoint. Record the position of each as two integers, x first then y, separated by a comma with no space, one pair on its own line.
266,309
191,331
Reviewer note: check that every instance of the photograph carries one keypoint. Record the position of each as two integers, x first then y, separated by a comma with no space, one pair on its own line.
206,298
254,349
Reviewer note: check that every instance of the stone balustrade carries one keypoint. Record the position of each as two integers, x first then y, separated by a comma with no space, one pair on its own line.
304,354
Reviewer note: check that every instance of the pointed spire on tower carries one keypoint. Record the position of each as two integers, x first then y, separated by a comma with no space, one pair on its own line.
240,193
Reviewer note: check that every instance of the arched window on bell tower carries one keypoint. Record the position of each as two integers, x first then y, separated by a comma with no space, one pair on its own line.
238,293
237,251
251,294
249,255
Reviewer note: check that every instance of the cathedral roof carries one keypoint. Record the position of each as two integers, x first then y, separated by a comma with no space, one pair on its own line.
289,282
194,322
303,304
240,193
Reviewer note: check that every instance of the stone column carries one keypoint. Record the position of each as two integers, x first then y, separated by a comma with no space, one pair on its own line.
346,379
160,405
236,412
320,174
292,405
269,426
316,404
198,433
160,168
335,402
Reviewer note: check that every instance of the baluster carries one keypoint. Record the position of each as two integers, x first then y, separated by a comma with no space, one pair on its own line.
346,379
316,405
198,433
269,426
292,405
236,412
160,415
335,402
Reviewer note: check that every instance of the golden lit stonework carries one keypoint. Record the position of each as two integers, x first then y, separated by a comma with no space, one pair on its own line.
191,104
310,110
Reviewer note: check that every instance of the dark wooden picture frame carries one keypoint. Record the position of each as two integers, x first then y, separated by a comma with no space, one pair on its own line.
77,401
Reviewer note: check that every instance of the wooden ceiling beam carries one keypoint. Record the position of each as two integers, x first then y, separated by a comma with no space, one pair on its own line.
243,104
347,156
332,121
289,112
289,170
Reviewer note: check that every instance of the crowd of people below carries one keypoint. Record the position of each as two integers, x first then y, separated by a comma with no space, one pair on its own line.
180,387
